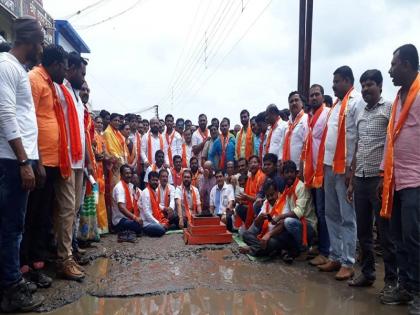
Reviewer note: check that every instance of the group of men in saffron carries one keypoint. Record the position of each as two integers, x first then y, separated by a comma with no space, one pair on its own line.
315,180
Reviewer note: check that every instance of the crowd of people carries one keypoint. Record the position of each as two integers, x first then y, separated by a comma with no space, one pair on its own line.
304,183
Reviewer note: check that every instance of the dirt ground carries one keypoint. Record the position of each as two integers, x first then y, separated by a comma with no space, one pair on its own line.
164,276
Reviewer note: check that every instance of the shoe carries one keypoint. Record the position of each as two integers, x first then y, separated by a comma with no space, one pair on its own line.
122,237
397,296
330,266
288,259
69,270
303,256
32,287
81,260
387,288
361,281
39,278
344,273
414,308
18,298
318,260
131,237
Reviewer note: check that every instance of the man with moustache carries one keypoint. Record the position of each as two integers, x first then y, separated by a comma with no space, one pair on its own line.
200,136
371,133
187,199
151,142
317,118
244,139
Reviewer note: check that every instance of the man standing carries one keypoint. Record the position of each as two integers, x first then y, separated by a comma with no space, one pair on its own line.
176,171
70,198
318,113
275,132
371,132
18,154
187,198
337,149
262,133
200,136
297,129
222,199
401,183
255,134
179,126
186,148
151,142
214,134
244,138
157,166
223,149
135,138
173,140
51,141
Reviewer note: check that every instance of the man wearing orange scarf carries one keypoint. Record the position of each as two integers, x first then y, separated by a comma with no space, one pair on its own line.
318,114
401,183
71,198
166,195
154,220
286,222
187,199
245,138
223,149
125,211
274,138
151,142
173,140
334,161
297,129
200,136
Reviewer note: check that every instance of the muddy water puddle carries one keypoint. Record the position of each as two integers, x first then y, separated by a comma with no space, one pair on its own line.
217,281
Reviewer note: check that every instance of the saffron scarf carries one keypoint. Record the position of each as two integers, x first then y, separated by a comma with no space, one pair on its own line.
339,160
277,209
166,194
252,186
149,146
394,128
223,142
169,140
248,143
204,135
288,136
308,165
186,204
130,203
176,177
195,178
157,213
270,134
74,129
64,160
184,156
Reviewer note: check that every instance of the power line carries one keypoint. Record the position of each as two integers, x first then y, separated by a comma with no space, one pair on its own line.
230,51
78,12
83,27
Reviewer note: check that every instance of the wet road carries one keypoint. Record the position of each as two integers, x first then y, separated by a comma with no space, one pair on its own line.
139,279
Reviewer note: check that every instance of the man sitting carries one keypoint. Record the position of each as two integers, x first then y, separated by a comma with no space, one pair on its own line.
290,220
157,166
125,213
154,221
270,171
166,195
222,200
187,199
206,183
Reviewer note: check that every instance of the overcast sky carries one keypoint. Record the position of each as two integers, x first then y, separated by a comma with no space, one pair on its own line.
216,57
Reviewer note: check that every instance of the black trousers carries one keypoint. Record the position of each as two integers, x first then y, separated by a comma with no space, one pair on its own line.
38,220
368,207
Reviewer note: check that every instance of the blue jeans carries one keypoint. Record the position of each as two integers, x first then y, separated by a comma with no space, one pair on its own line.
154,230
294,227
341,219
13,201
405,226
129,225
318,196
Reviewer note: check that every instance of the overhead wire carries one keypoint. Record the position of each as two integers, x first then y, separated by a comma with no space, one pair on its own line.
232,48
87,8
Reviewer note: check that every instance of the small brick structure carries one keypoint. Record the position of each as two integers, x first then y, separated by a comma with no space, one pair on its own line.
206,230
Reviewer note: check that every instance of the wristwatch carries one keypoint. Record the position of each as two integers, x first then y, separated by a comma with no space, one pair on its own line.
23,162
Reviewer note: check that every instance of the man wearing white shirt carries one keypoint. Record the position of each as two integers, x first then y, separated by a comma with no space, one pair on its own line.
186,148
187,199
173,140
154,222
222,199
152,141
166,195
297,129
339,149
157,166
273,142
200,137
18,154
